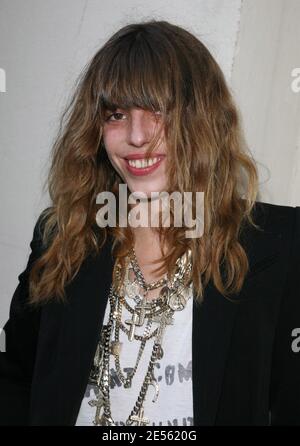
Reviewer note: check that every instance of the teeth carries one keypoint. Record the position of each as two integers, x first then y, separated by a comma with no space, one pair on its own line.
140,164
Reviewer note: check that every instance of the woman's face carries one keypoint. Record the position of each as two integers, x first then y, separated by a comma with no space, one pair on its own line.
127,135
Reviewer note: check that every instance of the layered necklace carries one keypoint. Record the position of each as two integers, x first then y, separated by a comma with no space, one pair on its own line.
173,297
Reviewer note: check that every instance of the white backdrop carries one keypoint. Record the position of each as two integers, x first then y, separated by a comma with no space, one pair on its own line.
45,44
267,52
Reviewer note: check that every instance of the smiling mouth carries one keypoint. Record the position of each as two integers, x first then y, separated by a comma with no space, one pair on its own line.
144,162
143,166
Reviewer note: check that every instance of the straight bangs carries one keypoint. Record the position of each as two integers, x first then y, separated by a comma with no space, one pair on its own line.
135,74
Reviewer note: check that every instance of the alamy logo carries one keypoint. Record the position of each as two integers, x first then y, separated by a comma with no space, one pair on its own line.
2,81
145,213
296,342
295,85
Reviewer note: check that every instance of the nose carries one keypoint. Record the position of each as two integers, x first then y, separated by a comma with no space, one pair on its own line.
141,127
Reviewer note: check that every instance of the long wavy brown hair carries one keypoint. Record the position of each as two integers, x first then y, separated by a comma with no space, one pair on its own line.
154,65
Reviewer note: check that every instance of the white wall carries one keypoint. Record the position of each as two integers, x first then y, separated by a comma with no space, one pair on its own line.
268,49
45,44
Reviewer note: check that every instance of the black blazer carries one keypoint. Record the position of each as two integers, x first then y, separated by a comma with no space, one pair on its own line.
246,358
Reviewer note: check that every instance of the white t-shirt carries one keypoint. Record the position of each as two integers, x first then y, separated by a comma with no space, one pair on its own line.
174,405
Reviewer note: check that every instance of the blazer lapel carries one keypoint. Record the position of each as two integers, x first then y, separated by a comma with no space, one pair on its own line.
213,320
71,331
212,327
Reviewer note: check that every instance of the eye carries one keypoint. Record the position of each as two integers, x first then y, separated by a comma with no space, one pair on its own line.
114,115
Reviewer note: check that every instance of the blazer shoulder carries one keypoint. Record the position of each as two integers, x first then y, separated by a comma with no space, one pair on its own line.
274,217
276,226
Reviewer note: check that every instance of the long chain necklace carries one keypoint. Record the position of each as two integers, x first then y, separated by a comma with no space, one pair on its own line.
173,297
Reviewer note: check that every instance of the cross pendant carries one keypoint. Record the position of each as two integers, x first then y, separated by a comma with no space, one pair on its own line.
133,322
139,419
98,403
141,309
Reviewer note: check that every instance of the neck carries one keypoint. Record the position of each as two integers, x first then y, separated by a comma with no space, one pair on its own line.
146,237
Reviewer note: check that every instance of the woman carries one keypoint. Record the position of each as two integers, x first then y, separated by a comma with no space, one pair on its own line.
97,335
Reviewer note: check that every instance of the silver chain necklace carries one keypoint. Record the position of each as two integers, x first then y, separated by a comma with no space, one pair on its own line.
173,297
